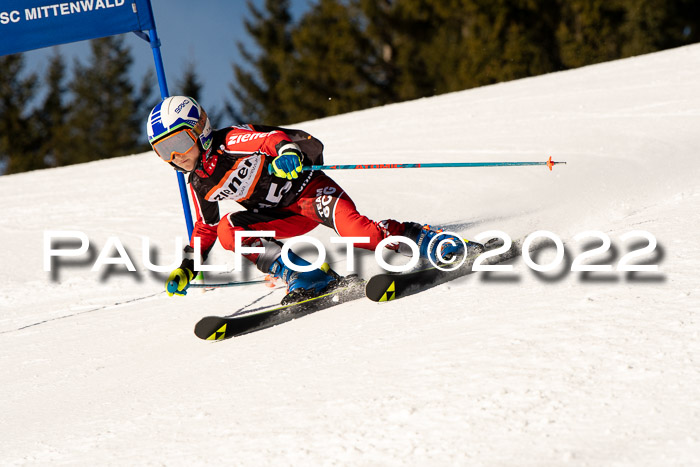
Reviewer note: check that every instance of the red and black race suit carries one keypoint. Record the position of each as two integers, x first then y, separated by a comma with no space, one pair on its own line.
237,169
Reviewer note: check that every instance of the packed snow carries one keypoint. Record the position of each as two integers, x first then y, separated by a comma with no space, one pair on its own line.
500,368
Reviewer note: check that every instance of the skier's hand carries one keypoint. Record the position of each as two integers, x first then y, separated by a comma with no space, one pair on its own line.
287,165
178,281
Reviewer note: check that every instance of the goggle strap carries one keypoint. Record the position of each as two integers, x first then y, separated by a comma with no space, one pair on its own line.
199,126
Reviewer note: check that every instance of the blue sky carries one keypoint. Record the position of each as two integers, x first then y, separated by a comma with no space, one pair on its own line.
204,32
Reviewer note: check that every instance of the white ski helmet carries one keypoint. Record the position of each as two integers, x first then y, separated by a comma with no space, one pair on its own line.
178,114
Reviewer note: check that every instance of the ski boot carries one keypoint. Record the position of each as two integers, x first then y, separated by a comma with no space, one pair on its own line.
433,247
302,285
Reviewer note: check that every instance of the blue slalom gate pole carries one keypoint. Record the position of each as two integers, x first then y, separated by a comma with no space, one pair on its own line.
160,72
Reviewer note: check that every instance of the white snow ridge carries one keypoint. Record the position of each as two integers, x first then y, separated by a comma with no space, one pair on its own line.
519,368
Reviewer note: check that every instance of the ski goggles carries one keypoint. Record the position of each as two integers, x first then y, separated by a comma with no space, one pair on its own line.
176,143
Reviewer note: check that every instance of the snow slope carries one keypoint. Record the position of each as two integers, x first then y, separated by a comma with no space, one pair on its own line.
518,368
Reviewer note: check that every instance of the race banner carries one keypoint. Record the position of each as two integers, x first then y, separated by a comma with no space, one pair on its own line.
33,24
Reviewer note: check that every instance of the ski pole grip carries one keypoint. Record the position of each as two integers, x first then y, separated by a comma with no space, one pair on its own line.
304,168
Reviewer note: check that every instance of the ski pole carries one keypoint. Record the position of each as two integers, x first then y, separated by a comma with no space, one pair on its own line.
549,163
172,285
228,284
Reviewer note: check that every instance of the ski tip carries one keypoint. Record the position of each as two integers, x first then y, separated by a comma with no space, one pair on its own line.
211,328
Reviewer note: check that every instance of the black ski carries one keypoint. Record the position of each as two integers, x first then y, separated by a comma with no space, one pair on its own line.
390,286
224,327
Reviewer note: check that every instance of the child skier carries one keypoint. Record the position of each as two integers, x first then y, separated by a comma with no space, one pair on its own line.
260,167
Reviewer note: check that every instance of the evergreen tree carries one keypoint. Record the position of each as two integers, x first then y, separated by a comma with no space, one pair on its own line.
402,34
686,21
106,118
189,84
524,37
332,71
384,35
438,46
258,86
345,55
652,25
17,133
590,31
55,145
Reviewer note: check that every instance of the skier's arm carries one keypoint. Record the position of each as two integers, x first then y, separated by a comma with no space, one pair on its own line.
207,219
